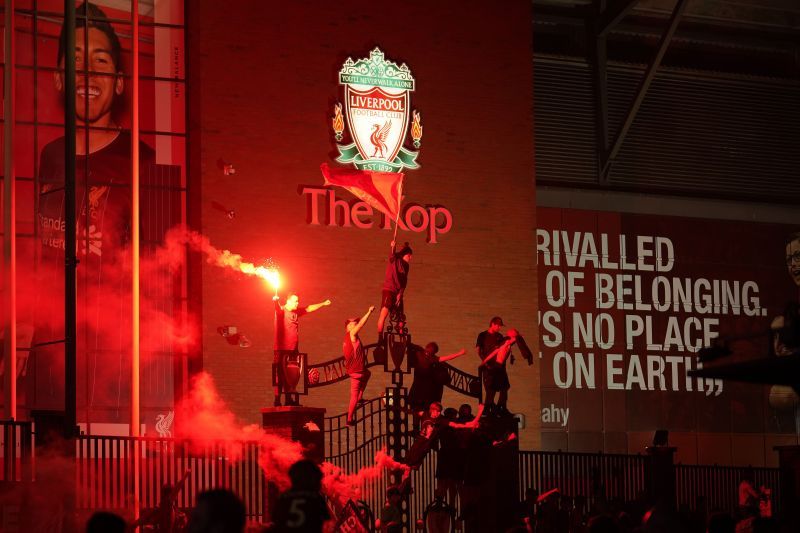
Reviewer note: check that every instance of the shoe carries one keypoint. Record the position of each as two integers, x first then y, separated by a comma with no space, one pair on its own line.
351,423
276,402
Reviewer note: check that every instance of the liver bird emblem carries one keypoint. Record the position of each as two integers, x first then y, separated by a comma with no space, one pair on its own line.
164,423
378,138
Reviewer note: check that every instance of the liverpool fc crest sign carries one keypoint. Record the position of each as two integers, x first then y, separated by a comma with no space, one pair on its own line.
377,96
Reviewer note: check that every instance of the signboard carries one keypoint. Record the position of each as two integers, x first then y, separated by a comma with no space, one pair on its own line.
627,301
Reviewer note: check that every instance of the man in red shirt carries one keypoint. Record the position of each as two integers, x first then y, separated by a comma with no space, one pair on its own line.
355,361
287,340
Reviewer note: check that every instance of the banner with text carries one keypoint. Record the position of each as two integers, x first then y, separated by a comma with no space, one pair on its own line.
625,303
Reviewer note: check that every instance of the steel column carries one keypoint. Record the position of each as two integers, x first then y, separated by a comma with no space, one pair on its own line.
9,221
70,260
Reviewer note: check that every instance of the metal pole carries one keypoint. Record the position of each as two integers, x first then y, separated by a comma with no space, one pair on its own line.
9,222
135,222
70,260
135,419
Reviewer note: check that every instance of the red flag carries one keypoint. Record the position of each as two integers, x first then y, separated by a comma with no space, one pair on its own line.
381,190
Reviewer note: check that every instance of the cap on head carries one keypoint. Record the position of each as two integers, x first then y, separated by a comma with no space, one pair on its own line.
496,320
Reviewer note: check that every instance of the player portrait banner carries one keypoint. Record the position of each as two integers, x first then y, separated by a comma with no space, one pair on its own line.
625,304
103,102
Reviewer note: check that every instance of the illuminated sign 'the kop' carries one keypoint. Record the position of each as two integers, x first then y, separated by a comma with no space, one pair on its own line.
377,111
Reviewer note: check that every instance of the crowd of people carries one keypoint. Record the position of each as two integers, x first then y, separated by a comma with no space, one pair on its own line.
303,508
430,376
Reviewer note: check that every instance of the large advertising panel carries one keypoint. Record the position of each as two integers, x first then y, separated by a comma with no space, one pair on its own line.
626,302
103,197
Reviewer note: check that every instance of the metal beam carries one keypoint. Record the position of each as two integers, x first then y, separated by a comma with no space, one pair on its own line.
597,58
70,238
9,220
650,74
612,14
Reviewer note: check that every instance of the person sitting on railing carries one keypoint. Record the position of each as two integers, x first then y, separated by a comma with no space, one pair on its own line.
355,361
430,375
429,430
495,376
449,461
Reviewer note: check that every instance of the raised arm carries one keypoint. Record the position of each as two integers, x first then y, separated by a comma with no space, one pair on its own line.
360,324
496,353
277,301
314,307
492,355
459,353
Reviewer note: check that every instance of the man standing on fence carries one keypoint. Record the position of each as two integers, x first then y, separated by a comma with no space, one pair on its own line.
287,341
486,343
394,285
355,361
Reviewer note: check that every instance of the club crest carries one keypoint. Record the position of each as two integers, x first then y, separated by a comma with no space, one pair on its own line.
377,109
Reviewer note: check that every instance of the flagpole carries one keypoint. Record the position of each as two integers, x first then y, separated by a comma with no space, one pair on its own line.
399,205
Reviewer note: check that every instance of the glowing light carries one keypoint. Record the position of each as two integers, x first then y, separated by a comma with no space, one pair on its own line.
268,270
338,122
416,129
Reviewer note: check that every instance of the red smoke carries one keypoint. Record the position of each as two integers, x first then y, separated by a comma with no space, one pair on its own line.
177,237
203,418
103,322
341,486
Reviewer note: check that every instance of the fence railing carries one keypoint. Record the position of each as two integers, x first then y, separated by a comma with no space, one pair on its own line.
106,468
590,475
16,446
708,487
354,447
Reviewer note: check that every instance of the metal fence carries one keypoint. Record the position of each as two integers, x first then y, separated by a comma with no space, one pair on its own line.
710,487
106,468
354,447
590,475
17,449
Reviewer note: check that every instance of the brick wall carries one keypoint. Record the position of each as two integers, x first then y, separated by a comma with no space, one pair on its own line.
262,84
